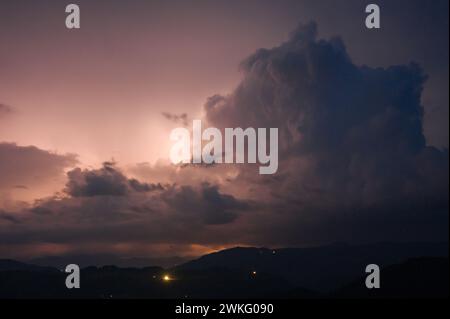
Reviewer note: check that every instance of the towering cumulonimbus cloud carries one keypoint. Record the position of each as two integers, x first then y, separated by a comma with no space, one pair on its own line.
351,138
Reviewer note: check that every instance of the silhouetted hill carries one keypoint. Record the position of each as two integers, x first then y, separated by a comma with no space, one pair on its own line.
319,268
100,260
416,278
249,273
113,282
8,265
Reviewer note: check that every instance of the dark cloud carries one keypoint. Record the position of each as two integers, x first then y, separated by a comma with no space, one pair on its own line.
99,209
207,202
106,181
8,217
351,137
144,187
354,166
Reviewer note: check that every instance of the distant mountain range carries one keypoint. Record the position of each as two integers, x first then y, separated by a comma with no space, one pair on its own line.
104,260
335,271
318,268
12,265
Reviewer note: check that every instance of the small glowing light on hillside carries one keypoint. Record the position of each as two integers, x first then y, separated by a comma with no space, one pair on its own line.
167,278
253,273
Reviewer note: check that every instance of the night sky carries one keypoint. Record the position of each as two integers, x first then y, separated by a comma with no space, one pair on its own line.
85,118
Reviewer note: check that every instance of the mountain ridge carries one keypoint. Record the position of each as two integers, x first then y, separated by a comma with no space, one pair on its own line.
323,268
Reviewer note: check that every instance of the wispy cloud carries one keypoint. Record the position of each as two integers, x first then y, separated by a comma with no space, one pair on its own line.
175,118
5,109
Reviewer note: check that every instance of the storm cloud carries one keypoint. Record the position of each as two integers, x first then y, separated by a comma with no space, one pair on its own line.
354,166
104,206
107,180
351,140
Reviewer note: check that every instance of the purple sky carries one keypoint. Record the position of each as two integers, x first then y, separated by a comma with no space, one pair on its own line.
73,99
